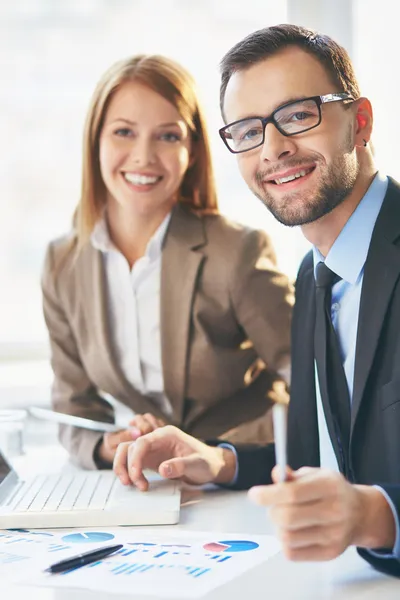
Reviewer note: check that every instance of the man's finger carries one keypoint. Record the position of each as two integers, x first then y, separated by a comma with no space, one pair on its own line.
268,495
276,474
137,454
120,463
315,553
311,486
191,468
293,517
310,536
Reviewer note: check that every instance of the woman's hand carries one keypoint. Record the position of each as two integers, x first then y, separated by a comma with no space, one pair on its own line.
138,426
142,424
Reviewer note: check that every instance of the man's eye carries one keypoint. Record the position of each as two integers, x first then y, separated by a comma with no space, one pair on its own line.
251,134
301,116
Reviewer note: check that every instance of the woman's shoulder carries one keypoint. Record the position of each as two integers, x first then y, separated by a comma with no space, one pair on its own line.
221,227
63,256
61,249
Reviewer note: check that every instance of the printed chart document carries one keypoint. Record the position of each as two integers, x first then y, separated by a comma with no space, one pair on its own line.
25,551
179,564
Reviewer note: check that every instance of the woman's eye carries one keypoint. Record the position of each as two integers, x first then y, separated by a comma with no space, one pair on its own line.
124,132
170,137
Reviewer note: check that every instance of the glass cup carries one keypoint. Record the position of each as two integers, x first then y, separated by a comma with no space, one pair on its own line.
12,424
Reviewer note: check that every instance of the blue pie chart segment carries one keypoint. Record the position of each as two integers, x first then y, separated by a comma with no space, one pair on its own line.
88,537
231,546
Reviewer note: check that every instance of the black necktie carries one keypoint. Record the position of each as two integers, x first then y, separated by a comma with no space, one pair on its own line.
331,375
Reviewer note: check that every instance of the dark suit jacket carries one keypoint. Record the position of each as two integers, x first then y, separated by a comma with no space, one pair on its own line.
375,411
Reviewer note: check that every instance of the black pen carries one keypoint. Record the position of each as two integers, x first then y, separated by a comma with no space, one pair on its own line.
83,559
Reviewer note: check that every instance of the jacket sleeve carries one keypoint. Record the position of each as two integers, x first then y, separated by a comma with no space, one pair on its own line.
72,391
387,560
254,464
263,300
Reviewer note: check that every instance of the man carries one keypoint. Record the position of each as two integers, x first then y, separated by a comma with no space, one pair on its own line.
300,129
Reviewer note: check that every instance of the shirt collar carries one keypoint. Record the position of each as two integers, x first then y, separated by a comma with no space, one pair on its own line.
100,238
349,251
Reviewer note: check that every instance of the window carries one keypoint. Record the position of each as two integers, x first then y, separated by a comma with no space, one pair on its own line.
52,54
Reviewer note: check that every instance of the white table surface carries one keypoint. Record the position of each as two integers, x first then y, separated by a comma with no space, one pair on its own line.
346,578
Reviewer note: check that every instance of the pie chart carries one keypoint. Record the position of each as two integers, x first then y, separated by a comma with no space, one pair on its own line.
87,537
230,546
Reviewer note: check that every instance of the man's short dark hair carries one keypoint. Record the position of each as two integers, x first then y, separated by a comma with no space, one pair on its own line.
264,43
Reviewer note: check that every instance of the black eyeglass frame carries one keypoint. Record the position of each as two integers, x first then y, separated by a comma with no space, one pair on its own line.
335,97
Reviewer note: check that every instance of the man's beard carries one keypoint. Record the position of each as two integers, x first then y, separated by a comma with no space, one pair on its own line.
334,187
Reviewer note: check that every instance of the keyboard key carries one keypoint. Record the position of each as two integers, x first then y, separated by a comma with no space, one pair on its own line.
32,489
60,492
87,491
102,492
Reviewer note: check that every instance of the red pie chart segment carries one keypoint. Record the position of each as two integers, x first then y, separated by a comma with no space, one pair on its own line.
230,546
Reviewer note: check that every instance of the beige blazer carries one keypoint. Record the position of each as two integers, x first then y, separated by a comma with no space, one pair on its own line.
225,332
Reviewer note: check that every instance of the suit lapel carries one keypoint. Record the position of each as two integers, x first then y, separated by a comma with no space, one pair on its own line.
303,439
94,285
93,282
382,270
182,258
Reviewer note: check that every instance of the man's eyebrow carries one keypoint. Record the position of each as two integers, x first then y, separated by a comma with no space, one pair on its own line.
283,103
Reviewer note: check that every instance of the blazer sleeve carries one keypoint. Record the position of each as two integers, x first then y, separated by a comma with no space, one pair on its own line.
387,561
72,391
254,464
263,299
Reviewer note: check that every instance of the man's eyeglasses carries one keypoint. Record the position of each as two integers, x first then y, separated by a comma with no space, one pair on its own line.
289,119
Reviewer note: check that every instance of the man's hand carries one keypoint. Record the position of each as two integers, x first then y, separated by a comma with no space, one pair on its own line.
318,514
175,455
139,425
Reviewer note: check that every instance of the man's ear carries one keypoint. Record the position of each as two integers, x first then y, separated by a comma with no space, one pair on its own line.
364,122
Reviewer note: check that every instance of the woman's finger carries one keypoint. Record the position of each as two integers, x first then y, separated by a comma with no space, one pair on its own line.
145,423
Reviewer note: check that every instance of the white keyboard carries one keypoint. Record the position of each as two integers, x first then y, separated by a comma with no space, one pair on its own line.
77,491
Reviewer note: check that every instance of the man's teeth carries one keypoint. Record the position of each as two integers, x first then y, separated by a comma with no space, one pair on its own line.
291,177
140,179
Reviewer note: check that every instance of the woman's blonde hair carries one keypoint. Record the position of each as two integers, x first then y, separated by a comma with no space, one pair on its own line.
175,84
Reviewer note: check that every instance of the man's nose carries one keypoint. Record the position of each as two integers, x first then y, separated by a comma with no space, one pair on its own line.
276,146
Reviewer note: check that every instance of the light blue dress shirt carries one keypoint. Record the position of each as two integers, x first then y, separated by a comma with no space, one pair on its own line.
347,258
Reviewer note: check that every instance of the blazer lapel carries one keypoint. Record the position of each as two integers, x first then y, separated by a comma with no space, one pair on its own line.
94,286
382,270
93,282
182,258
303,438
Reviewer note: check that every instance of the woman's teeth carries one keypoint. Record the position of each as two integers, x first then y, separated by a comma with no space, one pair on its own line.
140,179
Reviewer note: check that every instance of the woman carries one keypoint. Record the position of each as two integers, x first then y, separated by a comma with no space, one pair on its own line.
155,298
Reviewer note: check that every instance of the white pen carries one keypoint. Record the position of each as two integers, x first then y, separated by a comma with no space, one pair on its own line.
279,418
